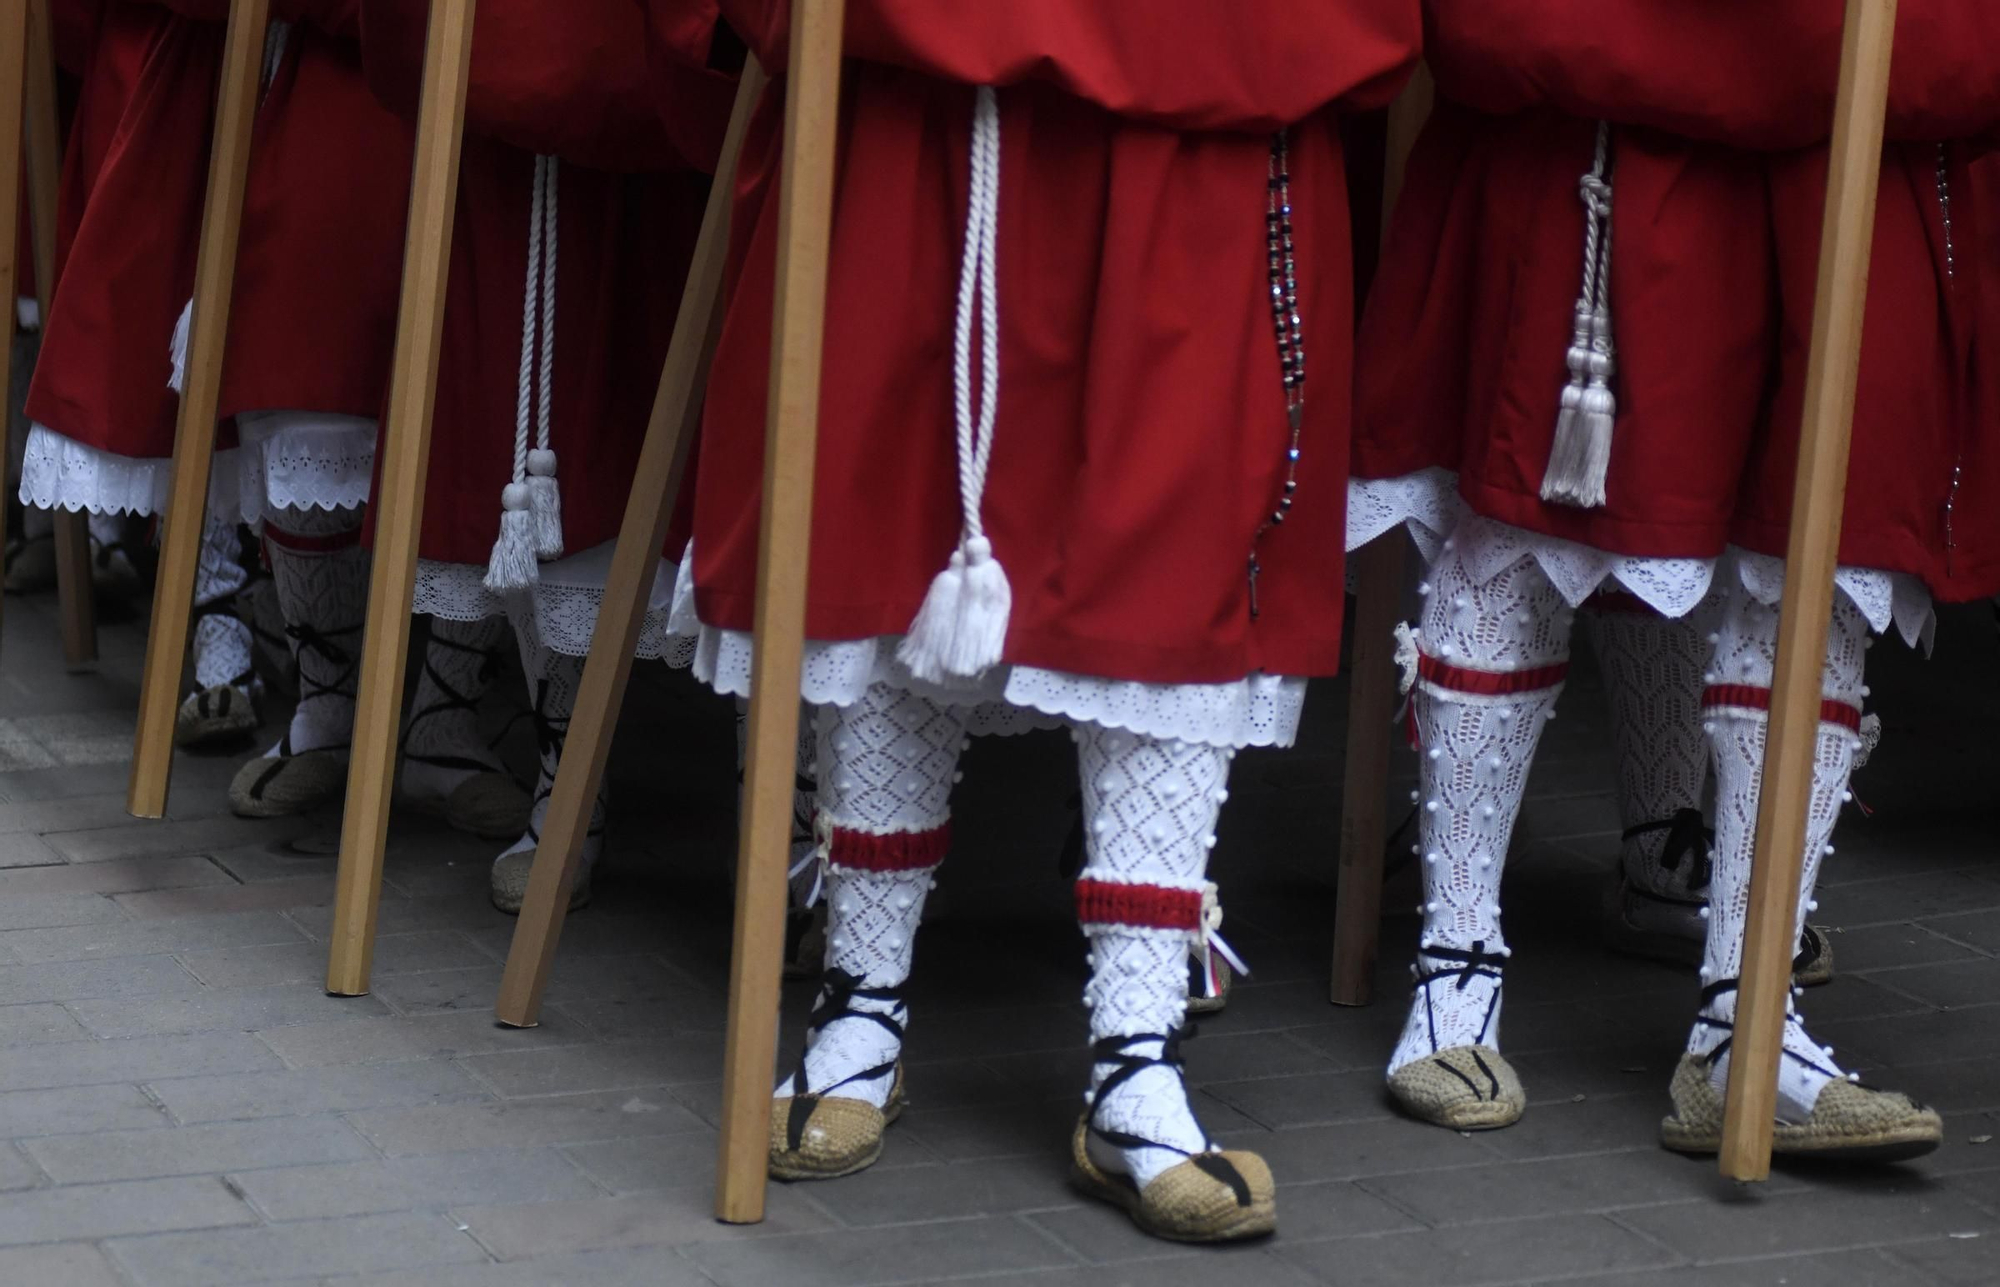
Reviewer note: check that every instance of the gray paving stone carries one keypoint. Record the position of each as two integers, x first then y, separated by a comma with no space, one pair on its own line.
1844,1269
70,1265
1907,898
1810,1220
305,1091
993,1130
1521,1251
608,1065
57,910
134,1059
520,1124
305,961
209,1148
17,1172
368,1040
87,1212
214,900
151,839
1310,1100
305,1249
110,877
852,1258
676,1217
232,1010
26,1025
1879,947
1357,1149
88,813
1980,929
1958,1262
25,849
413,1184
902,1194
651,1266
68,1110
1559,1186
1962,1085
147,976
1252,1264
140,938
1967,1033
655,1162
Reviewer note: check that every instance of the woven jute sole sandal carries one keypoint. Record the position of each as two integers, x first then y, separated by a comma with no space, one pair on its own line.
1211,1197
1225,982
277,786
220,714
492,806
1465,1088
508,883
1813,966
1849,1122
1662,930
836,1136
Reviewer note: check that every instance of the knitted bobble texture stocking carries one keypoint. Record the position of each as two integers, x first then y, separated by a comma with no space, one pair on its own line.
221,639
553,679
443,743
320,574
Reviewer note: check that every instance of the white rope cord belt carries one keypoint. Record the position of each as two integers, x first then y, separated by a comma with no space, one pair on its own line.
530,505
1580,458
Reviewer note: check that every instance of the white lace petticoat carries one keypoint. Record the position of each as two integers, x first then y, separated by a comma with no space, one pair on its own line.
1427,503
58,472
561,608
303,460
1258,710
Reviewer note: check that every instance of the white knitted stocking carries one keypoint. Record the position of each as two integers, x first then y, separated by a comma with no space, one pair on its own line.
1149,809
320,573
553,679
1494,654
1738,718
221,638
442,746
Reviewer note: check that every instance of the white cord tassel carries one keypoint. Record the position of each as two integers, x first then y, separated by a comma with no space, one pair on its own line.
1580,459
961,629
530,508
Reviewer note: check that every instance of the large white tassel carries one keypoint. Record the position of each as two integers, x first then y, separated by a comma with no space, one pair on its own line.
1580,458
530,507
961,629
512,565
177,349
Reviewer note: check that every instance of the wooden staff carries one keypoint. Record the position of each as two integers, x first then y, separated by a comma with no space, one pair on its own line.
1371,702
75,605
1818,496
656,484
812,106
194,435
399,495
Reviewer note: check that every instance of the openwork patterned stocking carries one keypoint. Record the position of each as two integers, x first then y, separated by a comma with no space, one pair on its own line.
320,573
553,679
442,746
1653,674
221,638
1149,809
1492,660
1738,711
887,764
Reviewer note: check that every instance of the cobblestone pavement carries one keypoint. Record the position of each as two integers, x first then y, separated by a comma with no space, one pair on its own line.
182,1106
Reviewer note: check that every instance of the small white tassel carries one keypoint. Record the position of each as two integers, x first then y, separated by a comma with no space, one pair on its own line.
513,566
545,502
177,351
1406,658
961,629
1580,457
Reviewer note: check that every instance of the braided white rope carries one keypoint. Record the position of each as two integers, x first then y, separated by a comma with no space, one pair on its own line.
961,629
529,503
1580,458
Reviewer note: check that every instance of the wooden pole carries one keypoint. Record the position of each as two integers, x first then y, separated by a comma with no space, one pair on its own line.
656,483
399,495
812,106
13,93
1371,703
75,605
194,437
1819,493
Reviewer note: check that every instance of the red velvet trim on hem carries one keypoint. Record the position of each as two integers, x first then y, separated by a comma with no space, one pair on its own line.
1750,697
898,851
296,543
1489,683
1108,902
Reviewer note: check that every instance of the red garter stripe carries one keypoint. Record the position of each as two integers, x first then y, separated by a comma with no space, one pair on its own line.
1489,683
1750,697
330,543
900,851
1108,902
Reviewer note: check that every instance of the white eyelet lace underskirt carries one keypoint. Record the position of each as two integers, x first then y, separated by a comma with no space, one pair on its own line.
1258,710
561,609
1428,504
303,460
58,472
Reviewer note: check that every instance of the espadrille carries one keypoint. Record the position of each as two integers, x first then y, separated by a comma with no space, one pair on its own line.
823,1137
508,883
1849,1121
1202,998
488,803
1666,929
275,786
1220,1196
1465,1088
219,714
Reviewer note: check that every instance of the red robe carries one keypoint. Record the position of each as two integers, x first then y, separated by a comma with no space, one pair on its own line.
572,84
1713,269
1142,434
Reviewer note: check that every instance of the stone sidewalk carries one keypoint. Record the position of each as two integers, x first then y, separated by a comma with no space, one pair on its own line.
182,1106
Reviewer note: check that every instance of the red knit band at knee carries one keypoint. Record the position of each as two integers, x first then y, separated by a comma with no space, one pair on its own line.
1156,907
310,543
1489,683
1749,697
898,851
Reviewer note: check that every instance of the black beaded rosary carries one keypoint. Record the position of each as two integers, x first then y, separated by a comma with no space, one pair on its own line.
1291,341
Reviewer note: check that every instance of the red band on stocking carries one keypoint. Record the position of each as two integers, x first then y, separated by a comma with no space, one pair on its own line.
295,543
898,851
1751,698
1110,902
1489,683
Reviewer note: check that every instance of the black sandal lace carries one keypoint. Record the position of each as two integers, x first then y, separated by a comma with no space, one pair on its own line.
1688,836
306,639
1723,987
1125,1065
452,700
838,991
1467,964
551,732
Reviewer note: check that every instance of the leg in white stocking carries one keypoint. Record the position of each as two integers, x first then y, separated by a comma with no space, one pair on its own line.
552,683
1820,1109
447,765
223,707
1493,658
1149,811
320,574
887,767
